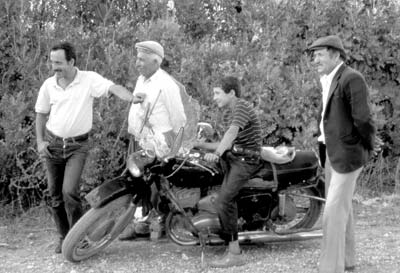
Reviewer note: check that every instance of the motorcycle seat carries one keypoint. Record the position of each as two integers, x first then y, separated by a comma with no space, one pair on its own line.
259,183
303,167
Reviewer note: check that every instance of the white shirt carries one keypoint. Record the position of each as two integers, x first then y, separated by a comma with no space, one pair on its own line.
326,81
163,97
71,109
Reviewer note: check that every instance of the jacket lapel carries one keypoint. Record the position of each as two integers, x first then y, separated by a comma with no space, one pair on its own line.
335,81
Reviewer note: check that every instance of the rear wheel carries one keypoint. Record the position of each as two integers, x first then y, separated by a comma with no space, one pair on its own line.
302,209
97,228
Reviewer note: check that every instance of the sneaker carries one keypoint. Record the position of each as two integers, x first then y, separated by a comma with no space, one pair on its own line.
135,230
350,268
129,233
142,228
229,260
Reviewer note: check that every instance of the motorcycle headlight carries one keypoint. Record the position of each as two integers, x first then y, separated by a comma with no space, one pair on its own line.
137,161
133,167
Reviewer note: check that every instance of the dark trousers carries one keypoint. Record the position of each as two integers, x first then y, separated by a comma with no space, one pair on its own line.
237,170
64,171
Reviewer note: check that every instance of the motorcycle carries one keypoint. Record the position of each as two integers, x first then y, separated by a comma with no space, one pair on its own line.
282,202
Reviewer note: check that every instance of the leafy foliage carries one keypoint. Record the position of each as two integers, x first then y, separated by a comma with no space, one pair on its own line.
261,42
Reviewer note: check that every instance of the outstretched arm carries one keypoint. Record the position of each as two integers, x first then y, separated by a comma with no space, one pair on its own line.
121,92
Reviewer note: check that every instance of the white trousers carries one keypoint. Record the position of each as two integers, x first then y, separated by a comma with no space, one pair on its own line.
338,243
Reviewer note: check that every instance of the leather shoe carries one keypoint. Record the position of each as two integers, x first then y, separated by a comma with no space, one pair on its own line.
135,230
59,246
129,233
140,228
350,268
229,260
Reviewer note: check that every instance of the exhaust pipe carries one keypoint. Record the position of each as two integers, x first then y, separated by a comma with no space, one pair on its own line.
249,237
271,237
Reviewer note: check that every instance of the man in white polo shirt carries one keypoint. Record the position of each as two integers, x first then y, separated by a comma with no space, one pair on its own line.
64,110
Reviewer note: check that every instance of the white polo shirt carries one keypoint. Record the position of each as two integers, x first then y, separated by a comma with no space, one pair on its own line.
71,109
168,111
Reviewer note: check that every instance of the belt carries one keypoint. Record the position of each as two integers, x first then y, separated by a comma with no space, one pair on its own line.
245,151
68,139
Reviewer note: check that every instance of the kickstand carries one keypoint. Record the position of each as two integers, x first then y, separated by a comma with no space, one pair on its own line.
202,240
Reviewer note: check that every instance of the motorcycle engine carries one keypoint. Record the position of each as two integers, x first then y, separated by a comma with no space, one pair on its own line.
187,197
254,210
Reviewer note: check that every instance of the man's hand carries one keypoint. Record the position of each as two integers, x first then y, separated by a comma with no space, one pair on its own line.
211,157
139,98
378,145
42,149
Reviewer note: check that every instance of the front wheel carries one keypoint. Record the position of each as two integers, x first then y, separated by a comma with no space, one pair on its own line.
97,228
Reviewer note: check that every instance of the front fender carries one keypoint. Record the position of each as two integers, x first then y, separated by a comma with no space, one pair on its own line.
108,191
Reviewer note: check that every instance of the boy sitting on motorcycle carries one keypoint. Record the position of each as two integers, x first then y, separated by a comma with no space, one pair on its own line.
242,129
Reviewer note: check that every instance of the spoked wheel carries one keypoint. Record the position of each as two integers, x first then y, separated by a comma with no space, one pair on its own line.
179,230
301,209
97,229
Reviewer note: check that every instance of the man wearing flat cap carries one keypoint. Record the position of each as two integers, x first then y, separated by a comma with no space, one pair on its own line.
160,112
347,135
157,112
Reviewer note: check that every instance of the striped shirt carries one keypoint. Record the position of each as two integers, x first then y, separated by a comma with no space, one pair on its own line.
245,117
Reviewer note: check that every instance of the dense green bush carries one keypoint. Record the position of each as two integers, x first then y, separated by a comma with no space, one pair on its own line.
261,42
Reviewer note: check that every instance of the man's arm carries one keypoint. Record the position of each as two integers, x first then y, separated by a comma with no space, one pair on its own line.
227,140
121,92
172,98
40,128
225,144
211,146
357,91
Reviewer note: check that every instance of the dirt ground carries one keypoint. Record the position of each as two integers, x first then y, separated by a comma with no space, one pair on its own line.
27,245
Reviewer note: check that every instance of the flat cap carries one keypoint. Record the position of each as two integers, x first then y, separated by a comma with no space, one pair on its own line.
150,47
331,41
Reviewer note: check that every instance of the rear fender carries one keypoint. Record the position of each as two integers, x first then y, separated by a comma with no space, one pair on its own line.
321,186
107,192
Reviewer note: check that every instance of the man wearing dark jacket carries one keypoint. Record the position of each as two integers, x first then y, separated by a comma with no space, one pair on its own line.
348,135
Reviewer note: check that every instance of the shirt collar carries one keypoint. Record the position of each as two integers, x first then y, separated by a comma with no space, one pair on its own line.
153,77
76,80
330,76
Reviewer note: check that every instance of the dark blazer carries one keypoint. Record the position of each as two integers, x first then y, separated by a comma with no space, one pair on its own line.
348,124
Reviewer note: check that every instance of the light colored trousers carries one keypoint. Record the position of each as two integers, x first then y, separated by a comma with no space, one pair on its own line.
338,244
